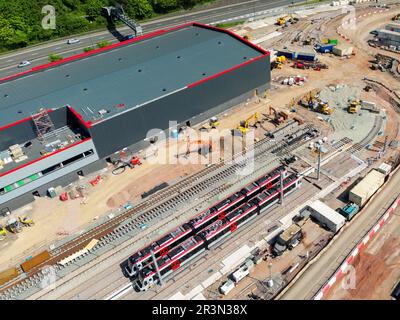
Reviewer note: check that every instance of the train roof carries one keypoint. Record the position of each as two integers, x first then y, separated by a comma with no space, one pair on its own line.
125,75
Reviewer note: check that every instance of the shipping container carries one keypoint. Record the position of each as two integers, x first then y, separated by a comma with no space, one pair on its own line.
366,187
333,41
341,50
325,48
306,56
35,261
326,216
8,275
287,53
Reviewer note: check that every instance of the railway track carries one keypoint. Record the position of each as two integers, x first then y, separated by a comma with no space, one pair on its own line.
146,211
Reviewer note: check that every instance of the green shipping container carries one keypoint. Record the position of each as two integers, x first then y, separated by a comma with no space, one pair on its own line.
8,188
34,177
20,183
333,41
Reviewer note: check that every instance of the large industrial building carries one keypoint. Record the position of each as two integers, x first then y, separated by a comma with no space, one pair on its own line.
64,119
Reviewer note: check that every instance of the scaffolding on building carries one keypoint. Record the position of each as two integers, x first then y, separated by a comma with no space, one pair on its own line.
43,124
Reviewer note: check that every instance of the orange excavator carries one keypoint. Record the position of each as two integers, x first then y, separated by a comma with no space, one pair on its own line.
279,117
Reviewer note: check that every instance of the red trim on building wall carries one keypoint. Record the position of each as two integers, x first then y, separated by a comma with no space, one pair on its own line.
254,46
225,71
87,124
44,157
20,121
95,51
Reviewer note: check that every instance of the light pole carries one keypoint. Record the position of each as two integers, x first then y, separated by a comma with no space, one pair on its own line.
270,282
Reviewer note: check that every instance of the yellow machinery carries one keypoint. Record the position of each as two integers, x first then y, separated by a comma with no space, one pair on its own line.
354,106
26,220
213,123
14,225
281,59
278,63
324,108
288,18
244,125
3,233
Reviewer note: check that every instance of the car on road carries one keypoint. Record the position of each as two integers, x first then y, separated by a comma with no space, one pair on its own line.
72,41
24,64
128,37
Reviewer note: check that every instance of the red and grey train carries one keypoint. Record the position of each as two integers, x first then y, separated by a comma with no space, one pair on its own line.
163,245
213,233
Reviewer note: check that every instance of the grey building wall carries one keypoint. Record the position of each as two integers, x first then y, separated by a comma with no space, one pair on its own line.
65,180
130,127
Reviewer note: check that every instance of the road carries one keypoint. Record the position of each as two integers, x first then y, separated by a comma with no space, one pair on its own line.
316,275
38,55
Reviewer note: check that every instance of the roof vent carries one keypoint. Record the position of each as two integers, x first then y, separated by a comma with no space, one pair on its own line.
84,89
219,42
140,70
119,59
157,47
6,95
164,89
178,57
204,73
244,58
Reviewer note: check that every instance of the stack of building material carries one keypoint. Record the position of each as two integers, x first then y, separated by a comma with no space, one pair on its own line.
342,50
16,152
365,189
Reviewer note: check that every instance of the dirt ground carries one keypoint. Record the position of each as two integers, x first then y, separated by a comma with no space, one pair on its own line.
55,219
377,268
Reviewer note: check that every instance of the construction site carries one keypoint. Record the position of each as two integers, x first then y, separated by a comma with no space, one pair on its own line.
284,135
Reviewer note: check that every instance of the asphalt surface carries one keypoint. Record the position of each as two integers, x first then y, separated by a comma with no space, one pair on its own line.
320,271
38,55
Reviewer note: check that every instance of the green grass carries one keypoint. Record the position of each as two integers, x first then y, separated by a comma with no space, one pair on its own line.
87,49
55,57
103,44
229,24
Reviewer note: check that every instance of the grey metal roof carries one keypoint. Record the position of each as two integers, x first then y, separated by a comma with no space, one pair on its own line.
130,75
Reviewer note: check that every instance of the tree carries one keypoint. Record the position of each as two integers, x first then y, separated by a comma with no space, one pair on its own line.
163,6
13,32
93,8
138,8
189,4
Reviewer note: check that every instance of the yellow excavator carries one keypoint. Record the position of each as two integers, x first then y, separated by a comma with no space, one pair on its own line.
279,62
3,232
288,18
354,106
26,220
244,125
324,108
